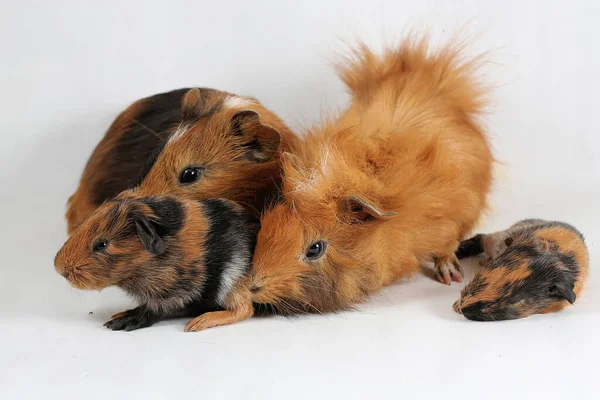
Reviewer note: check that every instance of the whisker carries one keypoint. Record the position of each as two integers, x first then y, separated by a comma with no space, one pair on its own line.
147,128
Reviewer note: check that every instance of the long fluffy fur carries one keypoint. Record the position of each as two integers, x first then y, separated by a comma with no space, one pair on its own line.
410,143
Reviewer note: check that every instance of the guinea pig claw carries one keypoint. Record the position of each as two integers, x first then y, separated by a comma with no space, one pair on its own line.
447,269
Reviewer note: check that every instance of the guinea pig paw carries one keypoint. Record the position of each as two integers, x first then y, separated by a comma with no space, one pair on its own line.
129,320
456,306
447,269
217,318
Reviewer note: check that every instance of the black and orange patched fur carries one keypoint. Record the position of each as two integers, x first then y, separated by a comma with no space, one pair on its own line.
397,180
228,144
175,257
534,267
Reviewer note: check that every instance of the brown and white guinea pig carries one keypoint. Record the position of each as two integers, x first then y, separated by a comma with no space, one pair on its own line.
534,267
175,257
216,144
396,181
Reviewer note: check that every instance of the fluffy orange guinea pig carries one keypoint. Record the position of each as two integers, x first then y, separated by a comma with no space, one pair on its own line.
216,144
398,180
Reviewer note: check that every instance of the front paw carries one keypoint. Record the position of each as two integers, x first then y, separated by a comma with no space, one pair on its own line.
130,320
447,269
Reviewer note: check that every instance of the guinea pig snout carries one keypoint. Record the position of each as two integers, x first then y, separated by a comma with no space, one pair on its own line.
59,266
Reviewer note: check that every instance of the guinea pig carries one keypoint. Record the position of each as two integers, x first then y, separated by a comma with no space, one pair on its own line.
226,146
535,267
238,162
176,257
131,142
396,181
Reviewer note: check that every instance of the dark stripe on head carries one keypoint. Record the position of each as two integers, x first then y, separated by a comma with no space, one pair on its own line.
169,213
112,217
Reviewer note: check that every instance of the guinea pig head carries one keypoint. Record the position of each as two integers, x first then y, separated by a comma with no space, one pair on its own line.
314,252
118,241
226,146
522,281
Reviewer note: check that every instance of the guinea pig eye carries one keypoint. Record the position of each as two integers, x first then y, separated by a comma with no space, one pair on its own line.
190,175
100,245
316,250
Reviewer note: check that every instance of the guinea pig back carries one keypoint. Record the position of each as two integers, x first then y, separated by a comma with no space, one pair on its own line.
541,269
176,257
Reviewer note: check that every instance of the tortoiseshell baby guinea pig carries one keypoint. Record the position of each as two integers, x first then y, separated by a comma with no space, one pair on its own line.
175,257
535,267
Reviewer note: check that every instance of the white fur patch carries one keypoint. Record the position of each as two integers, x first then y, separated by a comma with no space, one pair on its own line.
314,176
232,272
237,102
179,133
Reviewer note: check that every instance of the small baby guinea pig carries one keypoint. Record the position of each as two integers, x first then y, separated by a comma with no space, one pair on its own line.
396,181
175,257
534,267
216,144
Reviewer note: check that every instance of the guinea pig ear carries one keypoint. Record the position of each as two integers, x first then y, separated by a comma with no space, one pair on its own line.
148,235
261,142
508,241
564,290
357,210
191,104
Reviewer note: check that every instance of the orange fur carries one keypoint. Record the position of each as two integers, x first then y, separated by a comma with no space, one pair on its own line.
568,242
128,259
238,308
227,170
535,266
132,142
397,179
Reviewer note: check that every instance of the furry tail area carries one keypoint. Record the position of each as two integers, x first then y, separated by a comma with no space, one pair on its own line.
414,68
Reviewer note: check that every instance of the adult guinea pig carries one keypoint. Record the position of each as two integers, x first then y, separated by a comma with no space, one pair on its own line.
396,181
120,158
175,257
241,143
226,146
534,267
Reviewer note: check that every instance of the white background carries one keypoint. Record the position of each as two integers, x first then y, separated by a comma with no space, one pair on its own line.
68,67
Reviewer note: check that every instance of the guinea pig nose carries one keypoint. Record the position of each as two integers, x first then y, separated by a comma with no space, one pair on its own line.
60,269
